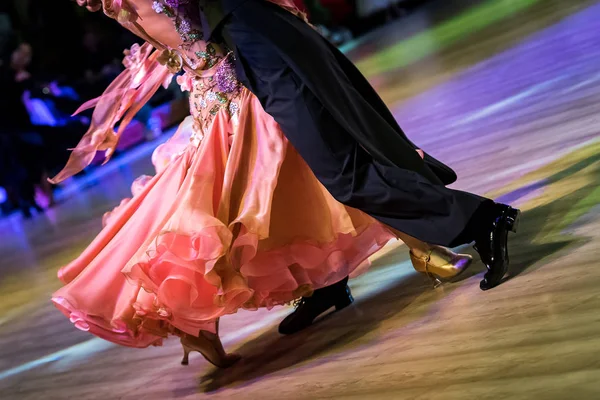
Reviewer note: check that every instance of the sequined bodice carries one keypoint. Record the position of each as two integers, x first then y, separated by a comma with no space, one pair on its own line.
210,78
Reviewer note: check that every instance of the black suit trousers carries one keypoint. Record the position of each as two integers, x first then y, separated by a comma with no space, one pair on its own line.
342,129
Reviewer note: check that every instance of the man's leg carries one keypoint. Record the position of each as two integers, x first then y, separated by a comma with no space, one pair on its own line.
401,198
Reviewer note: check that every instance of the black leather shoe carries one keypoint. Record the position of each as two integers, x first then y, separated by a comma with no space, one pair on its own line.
493,247
308,308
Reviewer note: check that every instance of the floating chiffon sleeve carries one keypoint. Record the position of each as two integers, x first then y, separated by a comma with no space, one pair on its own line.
124,97
146,70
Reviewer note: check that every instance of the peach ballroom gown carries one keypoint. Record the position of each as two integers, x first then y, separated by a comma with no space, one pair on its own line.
233,220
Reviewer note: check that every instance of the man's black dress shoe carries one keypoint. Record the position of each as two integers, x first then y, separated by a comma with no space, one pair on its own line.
308,308
493,247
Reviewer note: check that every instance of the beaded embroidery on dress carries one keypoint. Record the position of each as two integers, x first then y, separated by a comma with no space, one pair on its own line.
212,84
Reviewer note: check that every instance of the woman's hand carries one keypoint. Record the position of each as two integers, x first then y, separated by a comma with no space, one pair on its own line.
91,5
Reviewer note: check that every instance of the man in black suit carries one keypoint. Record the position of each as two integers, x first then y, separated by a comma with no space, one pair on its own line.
351,141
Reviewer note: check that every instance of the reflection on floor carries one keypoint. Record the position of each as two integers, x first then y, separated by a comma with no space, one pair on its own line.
508,93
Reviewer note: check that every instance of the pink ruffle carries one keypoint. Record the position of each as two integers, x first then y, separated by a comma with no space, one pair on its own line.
115,331
190,292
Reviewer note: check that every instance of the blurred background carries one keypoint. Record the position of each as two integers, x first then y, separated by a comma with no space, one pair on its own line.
49,67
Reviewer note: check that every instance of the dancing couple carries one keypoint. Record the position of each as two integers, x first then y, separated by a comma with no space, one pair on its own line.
289,173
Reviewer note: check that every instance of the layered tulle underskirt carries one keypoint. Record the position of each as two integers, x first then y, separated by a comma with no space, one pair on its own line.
236,222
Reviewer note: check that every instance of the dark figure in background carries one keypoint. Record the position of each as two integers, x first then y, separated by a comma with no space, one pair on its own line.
37,150
351,141
22,154
14,177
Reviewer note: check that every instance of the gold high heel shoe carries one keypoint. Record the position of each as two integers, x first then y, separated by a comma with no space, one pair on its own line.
440,264
210,348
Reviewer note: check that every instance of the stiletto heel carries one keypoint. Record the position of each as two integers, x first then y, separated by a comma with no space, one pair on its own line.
440,264
435,281
186,355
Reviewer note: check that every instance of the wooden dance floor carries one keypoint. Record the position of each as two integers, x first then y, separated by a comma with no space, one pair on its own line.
505,91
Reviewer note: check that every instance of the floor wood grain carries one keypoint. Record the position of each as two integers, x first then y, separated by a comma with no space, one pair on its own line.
508,93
